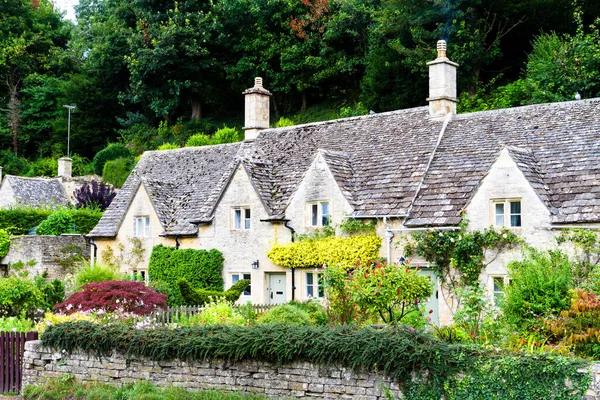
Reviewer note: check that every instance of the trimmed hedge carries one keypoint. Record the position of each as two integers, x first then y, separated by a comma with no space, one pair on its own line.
200,297
85,219
327,251
4,243
201,268
110,152
116,171
20,220
426,367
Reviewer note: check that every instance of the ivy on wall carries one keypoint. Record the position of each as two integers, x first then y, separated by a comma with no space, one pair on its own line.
325,251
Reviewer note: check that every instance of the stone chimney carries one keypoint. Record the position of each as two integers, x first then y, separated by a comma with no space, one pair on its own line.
442,84
0,174
65,167
257,110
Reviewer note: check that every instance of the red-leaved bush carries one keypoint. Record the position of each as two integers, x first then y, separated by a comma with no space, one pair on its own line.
113,296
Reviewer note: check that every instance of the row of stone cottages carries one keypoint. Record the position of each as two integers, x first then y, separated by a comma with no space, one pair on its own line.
533,169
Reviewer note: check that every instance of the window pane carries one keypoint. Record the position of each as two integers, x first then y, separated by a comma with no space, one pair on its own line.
325,214
247,218
309,278
321,286
247,213
143,275
515,220
499,208
309,291
234,278
498,284
248,290
499,220
147,227
138,227
315,215
515,207
238,219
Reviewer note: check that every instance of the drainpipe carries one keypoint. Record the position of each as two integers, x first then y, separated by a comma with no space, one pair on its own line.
176,242
285,223
389,235
91,243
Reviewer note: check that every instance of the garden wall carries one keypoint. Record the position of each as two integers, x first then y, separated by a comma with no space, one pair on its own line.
55,255
294,380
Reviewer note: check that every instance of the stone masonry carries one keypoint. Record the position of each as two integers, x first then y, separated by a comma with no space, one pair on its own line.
296,380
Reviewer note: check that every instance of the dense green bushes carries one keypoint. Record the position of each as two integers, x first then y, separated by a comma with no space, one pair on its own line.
427,367
18,296
4,243
57,223
116,171
200,297
201,268
110,152
20,220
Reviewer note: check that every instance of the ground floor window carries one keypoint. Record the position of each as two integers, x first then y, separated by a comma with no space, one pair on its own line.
236,277
499,284
314,285
140,275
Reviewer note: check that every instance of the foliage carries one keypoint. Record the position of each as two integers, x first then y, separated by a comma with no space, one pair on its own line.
314,308
353,226
94,195
116,171
19,296
53,292
19,220
167,146
4,243
579,326
219,312
474,310
57,223
85,219
90,273
586,271
540,286
110,296
353,111
286,314
111,152
341,307
283,122
427,364
201,268
199,139
55,319
390,290
200,297
329,251
226,135
67,387
15,324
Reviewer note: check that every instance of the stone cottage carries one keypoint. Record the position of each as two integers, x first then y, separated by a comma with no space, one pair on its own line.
534,169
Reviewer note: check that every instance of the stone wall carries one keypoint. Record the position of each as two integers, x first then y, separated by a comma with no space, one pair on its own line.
52,254
297,380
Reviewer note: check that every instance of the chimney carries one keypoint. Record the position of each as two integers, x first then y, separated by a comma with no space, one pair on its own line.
65,167
257,110
0,174
442,84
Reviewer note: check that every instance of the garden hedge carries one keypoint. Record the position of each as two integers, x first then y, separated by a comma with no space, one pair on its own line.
425,367
200,297
20,220
201,268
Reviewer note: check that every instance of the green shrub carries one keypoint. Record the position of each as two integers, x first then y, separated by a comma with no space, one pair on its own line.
85,219
19,220
81,165
219,312
199,139
44,167
53,292
89,273
283,121
16,324
18,296
110,152
57,223
200,297
201,268
4,243
116,171
540,285
426,367
226,135
168,146
315,310
287,314
13,164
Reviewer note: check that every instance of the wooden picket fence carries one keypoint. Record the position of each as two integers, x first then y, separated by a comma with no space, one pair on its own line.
12,347
173,314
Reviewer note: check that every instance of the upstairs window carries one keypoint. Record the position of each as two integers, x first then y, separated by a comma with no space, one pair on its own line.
236,277
142,226
507,213
242,218
319,214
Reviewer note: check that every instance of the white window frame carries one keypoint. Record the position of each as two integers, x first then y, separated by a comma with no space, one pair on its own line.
238,276
316,220
141,226
313,286
498,295
244,221
507,213
143,272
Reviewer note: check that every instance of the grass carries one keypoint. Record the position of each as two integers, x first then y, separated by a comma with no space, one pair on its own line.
68,388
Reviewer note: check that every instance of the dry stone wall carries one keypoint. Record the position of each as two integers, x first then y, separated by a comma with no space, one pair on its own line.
296,380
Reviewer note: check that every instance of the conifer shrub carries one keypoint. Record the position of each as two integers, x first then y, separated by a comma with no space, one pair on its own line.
201,268
116,171
200,297
110,152
111,296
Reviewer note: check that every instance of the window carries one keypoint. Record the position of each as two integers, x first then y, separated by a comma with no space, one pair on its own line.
499,283
140,275
507,213
314,285
241,218
319,214
142,226
237,277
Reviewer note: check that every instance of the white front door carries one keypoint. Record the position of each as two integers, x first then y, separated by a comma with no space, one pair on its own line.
276,289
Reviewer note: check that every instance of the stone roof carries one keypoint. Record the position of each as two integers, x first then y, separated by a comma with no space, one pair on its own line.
37,192
386,164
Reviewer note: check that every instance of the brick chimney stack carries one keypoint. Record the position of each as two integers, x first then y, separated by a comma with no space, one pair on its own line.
257,110
65,168
442,84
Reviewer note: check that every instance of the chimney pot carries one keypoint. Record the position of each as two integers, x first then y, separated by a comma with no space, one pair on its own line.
256,116
441,49
65,167
442,83
258,82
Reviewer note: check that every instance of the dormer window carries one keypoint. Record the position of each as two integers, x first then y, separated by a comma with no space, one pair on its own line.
142,226
242,218
319,214
507,213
